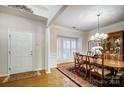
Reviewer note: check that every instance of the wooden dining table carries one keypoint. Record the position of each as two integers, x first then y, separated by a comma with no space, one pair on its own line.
114,66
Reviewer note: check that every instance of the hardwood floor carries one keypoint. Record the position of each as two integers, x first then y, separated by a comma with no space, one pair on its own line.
54,79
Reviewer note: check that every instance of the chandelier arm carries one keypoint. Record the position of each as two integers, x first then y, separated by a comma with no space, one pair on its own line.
98,36
98,23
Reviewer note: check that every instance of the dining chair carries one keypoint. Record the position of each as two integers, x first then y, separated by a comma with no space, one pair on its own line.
84,67
121,79
114,57
98,72
81,64
120,74
76,61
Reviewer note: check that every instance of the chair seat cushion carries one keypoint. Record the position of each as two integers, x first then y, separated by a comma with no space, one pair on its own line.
120,73
84,66
99,71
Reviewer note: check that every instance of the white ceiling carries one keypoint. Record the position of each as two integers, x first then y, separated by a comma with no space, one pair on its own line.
42,6
44,10
47,7
84,17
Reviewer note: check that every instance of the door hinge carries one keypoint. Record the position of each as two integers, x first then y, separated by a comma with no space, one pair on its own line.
31,53
10,52
9,68
9,35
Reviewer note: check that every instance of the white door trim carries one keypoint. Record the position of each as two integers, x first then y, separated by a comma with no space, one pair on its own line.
9,56
9,52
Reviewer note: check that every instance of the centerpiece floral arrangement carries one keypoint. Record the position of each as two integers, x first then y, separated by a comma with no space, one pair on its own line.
97,51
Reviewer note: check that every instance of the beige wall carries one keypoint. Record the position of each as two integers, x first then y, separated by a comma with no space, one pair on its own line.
17,23
56,30
68,32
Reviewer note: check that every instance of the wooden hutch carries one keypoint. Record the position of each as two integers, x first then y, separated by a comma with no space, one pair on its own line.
115,44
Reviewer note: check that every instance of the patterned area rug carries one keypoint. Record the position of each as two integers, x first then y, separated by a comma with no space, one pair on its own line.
69,71
78,78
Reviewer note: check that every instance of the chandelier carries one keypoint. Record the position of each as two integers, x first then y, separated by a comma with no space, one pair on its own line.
98,36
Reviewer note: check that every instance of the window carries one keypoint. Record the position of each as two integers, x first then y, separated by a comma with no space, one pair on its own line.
65,47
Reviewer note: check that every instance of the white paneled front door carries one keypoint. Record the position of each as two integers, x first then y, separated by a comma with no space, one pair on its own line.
20,52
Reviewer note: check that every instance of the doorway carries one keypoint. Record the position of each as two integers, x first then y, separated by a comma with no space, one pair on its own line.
19,52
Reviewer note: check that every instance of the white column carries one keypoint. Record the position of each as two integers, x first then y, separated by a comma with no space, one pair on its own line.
47,50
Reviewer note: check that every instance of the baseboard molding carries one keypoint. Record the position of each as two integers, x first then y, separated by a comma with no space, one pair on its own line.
39,69
6,79
4,75
19,76
66,62
54,66
48,71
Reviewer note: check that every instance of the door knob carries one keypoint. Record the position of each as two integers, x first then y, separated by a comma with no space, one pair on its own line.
31,53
